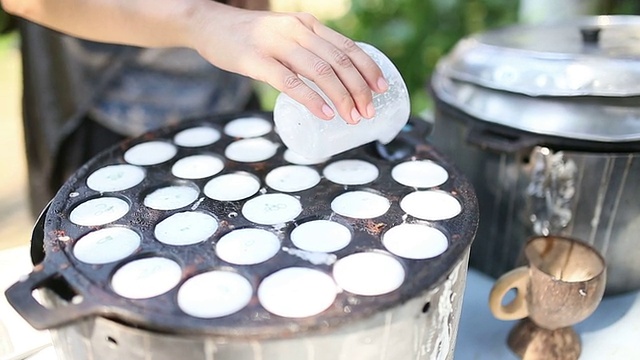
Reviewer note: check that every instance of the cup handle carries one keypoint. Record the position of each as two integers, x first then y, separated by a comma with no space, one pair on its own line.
517,308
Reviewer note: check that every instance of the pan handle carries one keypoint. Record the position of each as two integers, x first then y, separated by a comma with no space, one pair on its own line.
20,296
497,141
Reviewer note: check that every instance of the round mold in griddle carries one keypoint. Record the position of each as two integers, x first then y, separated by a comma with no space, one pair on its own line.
251,150
320,235
351,172
106,245
272,209
214,294
419,174
150,153
171,197
99,211
415,241
297,292
197,166
115,178
197,136
185,228
146,278
369,273
431,205
248,127
296,281
247,246
360,204
232,187
292,178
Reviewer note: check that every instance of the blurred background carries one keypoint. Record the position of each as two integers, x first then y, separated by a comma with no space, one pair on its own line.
413,33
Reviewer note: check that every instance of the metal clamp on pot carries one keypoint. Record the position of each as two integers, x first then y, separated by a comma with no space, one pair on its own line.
545,121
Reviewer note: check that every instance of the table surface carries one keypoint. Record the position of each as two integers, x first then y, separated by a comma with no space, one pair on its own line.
611,333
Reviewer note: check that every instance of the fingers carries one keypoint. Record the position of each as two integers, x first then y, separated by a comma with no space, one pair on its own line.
297,46
323,74
363,62
286,81
354,68
344,82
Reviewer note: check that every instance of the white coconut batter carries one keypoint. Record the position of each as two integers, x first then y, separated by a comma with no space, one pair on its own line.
248,127
351,172
292,178
197,136
106,245
297,292
247,246
321,236
272,209
171,197
150,153
197,166
214,294
368,273
99,211
431,205
146,278
232,187
419,174
360,204
251,150
415,241
115,178
185,228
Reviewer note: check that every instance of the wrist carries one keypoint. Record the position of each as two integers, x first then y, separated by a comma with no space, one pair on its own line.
198,18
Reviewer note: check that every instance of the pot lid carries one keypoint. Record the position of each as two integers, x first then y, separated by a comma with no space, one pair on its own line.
592,56
609,120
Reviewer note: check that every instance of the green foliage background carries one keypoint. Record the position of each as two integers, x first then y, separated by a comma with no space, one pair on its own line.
414,34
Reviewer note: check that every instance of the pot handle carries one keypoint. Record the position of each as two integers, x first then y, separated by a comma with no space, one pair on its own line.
21,297
497,141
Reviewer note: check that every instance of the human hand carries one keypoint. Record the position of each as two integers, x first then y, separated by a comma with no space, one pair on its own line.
276,48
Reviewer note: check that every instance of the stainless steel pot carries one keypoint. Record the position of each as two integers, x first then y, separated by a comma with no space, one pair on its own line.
545,121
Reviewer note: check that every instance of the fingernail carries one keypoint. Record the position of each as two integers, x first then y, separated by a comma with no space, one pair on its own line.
326,109
371,111
355,116
382,84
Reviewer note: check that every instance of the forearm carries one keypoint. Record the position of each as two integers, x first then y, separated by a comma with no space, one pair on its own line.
270,47
146,23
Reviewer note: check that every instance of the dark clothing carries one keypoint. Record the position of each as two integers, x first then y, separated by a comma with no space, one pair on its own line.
81,97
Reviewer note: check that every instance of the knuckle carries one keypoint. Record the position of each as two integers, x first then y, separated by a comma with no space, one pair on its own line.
311,96
349,45
341,58
322,68
290,24
307,18
291,82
